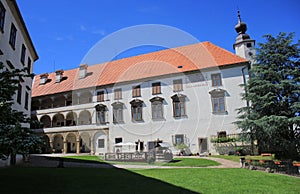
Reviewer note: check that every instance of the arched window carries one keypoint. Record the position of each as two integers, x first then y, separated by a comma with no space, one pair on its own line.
136,110
117,112
102,114
218,100
179,109
157,108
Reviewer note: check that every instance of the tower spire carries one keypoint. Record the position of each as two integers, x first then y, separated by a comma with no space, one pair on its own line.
244,45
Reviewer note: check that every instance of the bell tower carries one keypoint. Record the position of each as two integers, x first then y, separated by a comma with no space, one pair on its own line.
244,45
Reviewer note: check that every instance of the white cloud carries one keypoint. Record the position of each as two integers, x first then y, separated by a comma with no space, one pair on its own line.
92,30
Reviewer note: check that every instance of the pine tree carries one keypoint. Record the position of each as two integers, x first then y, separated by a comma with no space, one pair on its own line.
14,137
273,92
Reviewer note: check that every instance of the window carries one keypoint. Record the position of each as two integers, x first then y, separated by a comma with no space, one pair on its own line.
23,53
117,112
178,105
29,65
19,94
100,96
118,94
101,112
118,140
216,79
12,37
157,108
156,89
177,85
136,91
26,100
101,143
137,110
218,101
2,17
179,139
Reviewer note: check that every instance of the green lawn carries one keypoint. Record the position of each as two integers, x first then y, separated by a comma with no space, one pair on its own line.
96,180
237,158
232,158
190,162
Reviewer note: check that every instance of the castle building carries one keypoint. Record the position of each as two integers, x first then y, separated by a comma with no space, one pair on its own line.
17,51
180,95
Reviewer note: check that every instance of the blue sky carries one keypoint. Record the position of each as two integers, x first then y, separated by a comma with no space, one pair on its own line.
63,31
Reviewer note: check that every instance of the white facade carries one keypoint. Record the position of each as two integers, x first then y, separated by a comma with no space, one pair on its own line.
11,53
193,129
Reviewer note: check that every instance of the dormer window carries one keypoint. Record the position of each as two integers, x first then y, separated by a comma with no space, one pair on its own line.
82,71
59,75
43,78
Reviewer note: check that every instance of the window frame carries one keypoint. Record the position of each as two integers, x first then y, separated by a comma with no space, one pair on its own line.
177,87
19,94
136,110
100,96
178,102
218,100
101,143
101,114
156,88
118,93
216,79
13,36
136,91
118,112
26,100
23,54
2,17
157,109
29,65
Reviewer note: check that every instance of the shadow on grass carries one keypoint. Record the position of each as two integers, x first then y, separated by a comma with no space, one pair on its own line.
81,180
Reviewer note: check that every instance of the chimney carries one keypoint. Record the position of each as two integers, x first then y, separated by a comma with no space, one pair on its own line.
43,78
82,71
59,75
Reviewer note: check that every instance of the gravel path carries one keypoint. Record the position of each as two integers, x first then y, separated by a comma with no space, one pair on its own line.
46,161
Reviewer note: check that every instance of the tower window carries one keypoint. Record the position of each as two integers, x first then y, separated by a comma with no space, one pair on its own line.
249,45
2,16
23,53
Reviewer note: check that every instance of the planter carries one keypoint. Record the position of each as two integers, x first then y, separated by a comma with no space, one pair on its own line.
296,164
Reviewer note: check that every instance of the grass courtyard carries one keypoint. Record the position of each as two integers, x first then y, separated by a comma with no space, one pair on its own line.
189,180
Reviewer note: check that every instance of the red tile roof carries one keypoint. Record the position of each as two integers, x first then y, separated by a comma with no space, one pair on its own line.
191,57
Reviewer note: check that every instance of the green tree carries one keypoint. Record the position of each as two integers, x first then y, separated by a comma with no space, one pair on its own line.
14,137
273,116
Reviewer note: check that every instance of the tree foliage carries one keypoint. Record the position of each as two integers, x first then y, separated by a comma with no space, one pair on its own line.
273,117
15,137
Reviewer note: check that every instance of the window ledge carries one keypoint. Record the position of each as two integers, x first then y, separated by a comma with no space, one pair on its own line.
158,119
220,113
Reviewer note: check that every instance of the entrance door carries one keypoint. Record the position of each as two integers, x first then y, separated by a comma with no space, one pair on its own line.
202,145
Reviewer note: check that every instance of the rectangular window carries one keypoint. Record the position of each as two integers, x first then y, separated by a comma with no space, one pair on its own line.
101,117
216,79
23,53
13,35
101,143
19,94
117,114
156,89
177,85
118,140
2,17
218,104
26,100
137,112
179,139
100,96
118,94
157,110
136,91
29,65
178,108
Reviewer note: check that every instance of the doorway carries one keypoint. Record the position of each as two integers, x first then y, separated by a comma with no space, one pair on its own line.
203,147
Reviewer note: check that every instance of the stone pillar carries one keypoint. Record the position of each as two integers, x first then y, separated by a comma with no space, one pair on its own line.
92,147
51,146
65,147
78,146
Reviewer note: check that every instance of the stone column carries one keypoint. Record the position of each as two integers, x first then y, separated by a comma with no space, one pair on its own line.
78,146
51,146
92,147
65,147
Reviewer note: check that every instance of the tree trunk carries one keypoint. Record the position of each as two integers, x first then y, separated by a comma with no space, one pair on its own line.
13,159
